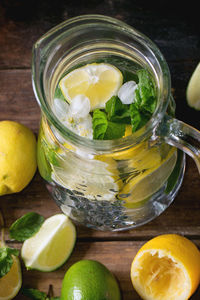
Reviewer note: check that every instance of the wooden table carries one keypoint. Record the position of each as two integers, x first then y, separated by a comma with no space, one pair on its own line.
177,34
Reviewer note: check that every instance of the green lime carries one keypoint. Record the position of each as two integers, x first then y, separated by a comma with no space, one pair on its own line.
89,280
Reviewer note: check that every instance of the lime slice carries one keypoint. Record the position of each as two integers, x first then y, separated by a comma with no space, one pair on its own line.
193,89
50,247
98,82
10,284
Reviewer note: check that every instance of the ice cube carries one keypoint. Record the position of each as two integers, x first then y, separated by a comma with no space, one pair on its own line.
80,106
126,92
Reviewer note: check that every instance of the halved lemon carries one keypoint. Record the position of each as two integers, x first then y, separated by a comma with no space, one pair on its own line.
98,82
50,247
166,268
193,89
10,284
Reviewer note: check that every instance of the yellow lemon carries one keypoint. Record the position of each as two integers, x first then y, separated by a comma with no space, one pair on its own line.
193,89
98,82
17,157
10,284
166,268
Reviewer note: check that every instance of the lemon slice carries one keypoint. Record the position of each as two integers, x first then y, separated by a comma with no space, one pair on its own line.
193,89
102,185
166,268
149,181
98,82
50,247
10,284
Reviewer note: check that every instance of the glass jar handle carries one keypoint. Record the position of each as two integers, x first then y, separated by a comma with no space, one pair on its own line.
180,135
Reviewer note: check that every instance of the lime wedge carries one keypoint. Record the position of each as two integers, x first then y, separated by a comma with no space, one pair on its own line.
51,246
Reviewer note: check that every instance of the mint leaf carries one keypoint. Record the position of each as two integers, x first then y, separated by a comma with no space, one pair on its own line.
26,226
104,129
99,124
6,259
114,131
52,157
145,94
138,119
50,153
34,294
117,111
114,106
58,94
43,164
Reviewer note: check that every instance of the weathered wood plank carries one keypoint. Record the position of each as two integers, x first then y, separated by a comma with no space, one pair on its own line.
176,34
116,256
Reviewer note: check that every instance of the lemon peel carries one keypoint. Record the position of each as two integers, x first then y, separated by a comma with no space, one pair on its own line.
17,157
166,268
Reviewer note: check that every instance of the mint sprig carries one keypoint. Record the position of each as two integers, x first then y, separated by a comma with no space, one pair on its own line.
6,259
26,226
35,294
145,94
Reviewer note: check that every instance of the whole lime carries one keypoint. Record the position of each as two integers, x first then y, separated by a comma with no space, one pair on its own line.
89,280
17,157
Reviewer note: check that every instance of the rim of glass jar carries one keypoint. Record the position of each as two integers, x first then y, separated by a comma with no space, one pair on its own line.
105,146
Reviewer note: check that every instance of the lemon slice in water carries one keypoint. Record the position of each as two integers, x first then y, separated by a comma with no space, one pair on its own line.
98,82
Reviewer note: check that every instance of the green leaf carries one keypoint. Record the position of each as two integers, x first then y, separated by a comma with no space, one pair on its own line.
43,164
146,92
99,124
50,153
6,259
114,131
117,111
104,129
52,157
138,119
34,294
58,94
26,226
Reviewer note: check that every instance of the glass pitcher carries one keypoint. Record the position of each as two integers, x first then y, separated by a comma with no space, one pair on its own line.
108,184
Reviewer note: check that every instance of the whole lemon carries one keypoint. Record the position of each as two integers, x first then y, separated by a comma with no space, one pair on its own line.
17,157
